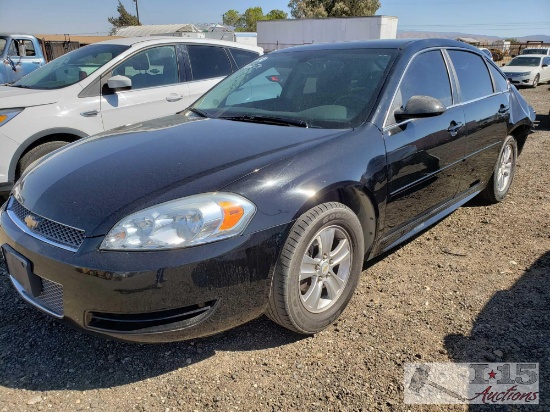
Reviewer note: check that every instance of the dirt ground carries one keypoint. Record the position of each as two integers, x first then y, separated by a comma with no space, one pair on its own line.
473,288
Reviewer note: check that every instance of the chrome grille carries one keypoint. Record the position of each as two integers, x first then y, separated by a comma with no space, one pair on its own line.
56,232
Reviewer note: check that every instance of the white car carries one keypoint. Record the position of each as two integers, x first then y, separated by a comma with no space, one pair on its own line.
528,70
536,50
106,85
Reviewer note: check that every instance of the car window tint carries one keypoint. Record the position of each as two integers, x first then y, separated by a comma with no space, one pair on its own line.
472,74
150,68
500,81
208,62
426,76
243,57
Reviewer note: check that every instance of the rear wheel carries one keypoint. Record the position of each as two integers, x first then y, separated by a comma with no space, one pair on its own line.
318,270
503,174
36,153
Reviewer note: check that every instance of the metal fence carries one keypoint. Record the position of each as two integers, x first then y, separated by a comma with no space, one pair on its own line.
504,52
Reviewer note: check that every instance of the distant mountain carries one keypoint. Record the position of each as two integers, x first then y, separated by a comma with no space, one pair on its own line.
409,34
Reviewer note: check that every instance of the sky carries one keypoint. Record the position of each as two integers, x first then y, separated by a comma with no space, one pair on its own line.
504,18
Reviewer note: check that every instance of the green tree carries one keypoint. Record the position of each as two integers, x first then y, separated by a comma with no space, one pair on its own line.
231,18
124,18
512,40
276,15
250,17
330,8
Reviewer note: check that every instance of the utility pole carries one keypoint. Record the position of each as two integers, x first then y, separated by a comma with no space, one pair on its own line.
137,11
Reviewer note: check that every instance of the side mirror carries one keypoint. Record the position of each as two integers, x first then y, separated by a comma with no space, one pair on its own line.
503,64
119,83
544,65
420,106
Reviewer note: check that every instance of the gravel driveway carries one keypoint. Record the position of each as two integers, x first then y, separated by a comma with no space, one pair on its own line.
473,288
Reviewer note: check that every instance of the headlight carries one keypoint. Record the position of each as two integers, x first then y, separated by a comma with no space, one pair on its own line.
7,114
181,223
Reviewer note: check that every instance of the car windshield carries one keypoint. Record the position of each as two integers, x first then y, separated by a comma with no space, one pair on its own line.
535,51
3,42
525,61
311,88
71,67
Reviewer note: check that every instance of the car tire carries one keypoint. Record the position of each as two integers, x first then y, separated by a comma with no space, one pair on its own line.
36,153
503,173
318,269
536,81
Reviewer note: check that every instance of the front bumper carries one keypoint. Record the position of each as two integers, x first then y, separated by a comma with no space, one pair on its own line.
151,297
526,80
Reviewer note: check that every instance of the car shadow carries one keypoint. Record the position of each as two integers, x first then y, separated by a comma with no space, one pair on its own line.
38,353
515,323
542,122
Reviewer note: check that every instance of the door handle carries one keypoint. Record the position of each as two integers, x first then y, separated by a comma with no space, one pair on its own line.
454,128
35,62
91,113
173,97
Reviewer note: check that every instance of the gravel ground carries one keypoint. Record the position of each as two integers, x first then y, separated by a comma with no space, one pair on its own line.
473,288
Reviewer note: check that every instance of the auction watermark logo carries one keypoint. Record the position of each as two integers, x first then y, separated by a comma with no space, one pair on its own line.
473,383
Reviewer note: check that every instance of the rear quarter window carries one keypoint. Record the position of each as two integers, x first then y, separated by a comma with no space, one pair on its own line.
499,80
243,57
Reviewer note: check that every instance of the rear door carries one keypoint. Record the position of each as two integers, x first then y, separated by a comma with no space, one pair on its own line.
423,154
157,88
486,109
208,65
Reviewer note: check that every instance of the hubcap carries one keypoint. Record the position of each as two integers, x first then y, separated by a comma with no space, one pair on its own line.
504,173
325,269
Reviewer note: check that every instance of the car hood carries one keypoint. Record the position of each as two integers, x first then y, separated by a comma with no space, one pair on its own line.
18,97
518,69
95,182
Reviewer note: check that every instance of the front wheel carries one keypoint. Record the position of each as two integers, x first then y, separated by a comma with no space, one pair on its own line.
318,269
36,153
503,174
536,81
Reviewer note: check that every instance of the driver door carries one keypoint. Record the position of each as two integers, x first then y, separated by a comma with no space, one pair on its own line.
423,154
157,88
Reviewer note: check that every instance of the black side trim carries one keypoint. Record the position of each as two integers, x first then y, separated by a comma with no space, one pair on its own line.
150,322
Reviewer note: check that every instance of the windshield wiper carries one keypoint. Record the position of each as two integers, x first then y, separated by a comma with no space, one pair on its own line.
198,111
280,121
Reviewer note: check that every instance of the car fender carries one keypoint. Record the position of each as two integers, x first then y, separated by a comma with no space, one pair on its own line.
37,136
352,166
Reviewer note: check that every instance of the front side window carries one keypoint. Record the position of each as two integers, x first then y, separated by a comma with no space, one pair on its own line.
208,62
71,67
12,50
321,88
150,68
473,77
426,76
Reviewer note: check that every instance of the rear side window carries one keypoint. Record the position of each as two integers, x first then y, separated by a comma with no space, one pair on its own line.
208,62
473,77
243,57
426,76
500,81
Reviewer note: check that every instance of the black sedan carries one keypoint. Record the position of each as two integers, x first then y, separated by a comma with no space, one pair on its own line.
265,196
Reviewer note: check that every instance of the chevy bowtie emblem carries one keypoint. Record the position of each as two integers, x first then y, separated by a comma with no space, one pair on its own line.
31,222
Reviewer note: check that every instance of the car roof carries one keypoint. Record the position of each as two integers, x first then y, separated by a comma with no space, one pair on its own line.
418,44
152,40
